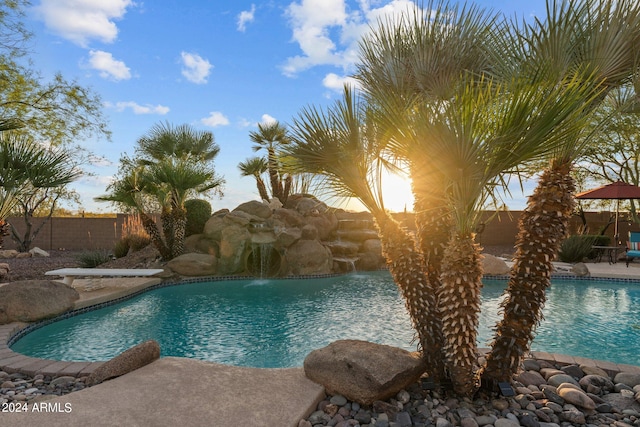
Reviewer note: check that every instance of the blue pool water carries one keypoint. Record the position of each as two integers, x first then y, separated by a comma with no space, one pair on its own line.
276,323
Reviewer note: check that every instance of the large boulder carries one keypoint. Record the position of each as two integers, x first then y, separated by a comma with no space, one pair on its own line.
255,208
193,264
308,257
362,371
200,243
127,361
234,241
494,265
33,300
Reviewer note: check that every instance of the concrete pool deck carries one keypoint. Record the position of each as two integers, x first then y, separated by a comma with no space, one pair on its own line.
173,391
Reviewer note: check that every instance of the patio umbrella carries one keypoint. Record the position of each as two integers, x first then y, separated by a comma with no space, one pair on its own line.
615,191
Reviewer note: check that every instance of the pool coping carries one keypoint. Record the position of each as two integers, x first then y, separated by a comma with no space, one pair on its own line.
13,362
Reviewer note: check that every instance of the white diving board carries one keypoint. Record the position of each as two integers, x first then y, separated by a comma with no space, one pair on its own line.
71,273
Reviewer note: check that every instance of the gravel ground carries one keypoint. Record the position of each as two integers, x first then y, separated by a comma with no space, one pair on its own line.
33,268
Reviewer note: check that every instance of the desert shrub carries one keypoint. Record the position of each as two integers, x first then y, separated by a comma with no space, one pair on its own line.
121,248
198,213
134,234
91,259
576,248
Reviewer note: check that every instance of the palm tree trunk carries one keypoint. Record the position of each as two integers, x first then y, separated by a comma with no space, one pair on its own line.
262,188
179,217
407,268
542,227
459,306
276,188
151,228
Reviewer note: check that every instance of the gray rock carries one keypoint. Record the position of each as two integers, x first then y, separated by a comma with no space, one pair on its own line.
531,365
580,269
530,378
505,422
558,379
443,422
468,422
594,370
33,300
596,384
631,379
362,371
403,419
484,420
127,361
573,370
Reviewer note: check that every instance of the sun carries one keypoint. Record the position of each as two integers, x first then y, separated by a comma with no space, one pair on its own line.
396,191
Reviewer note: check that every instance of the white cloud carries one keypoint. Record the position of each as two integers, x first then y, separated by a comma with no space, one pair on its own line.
327,32
267,119
215,119
108,66
245,17
336,83
82,20
195,68
137,108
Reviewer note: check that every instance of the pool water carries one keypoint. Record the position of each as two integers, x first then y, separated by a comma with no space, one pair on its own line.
276,323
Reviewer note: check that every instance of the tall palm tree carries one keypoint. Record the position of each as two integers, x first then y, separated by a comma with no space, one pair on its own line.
342,144
409,61
255,167
272,137
171,164
596,42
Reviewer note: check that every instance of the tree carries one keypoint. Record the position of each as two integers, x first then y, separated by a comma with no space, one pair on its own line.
58,110
613,150
593,41
272,137
255,167
28,169
171,165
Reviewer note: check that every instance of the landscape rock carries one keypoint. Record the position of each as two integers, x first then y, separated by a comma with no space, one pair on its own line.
576,397
233,242
362,371
127,361
530,378
8,253
558,379
494,266
193,264
580,269
308,257
596,384
33,300
631,379
38,252
255,208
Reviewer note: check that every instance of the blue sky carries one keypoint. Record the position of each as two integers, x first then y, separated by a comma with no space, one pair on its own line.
222,66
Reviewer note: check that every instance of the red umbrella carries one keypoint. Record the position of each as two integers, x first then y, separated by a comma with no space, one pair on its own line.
616,191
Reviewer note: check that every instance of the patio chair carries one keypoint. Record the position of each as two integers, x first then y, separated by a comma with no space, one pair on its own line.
633,246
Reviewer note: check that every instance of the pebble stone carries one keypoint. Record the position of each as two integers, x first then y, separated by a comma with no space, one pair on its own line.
535,404
18,387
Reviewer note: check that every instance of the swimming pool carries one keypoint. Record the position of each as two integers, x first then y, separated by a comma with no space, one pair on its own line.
276,323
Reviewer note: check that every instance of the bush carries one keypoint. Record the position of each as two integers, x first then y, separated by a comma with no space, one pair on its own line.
134,236
91,259
576,248
121,249
198,213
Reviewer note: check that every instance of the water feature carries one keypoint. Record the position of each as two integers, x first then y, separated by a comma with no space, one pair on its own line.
263,260
276,323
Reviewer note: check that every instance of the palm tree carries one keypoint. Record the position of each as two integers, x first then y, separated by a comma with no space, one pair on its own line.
273,137
342,144
255,167
171,164
596,42
128,191
25,167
